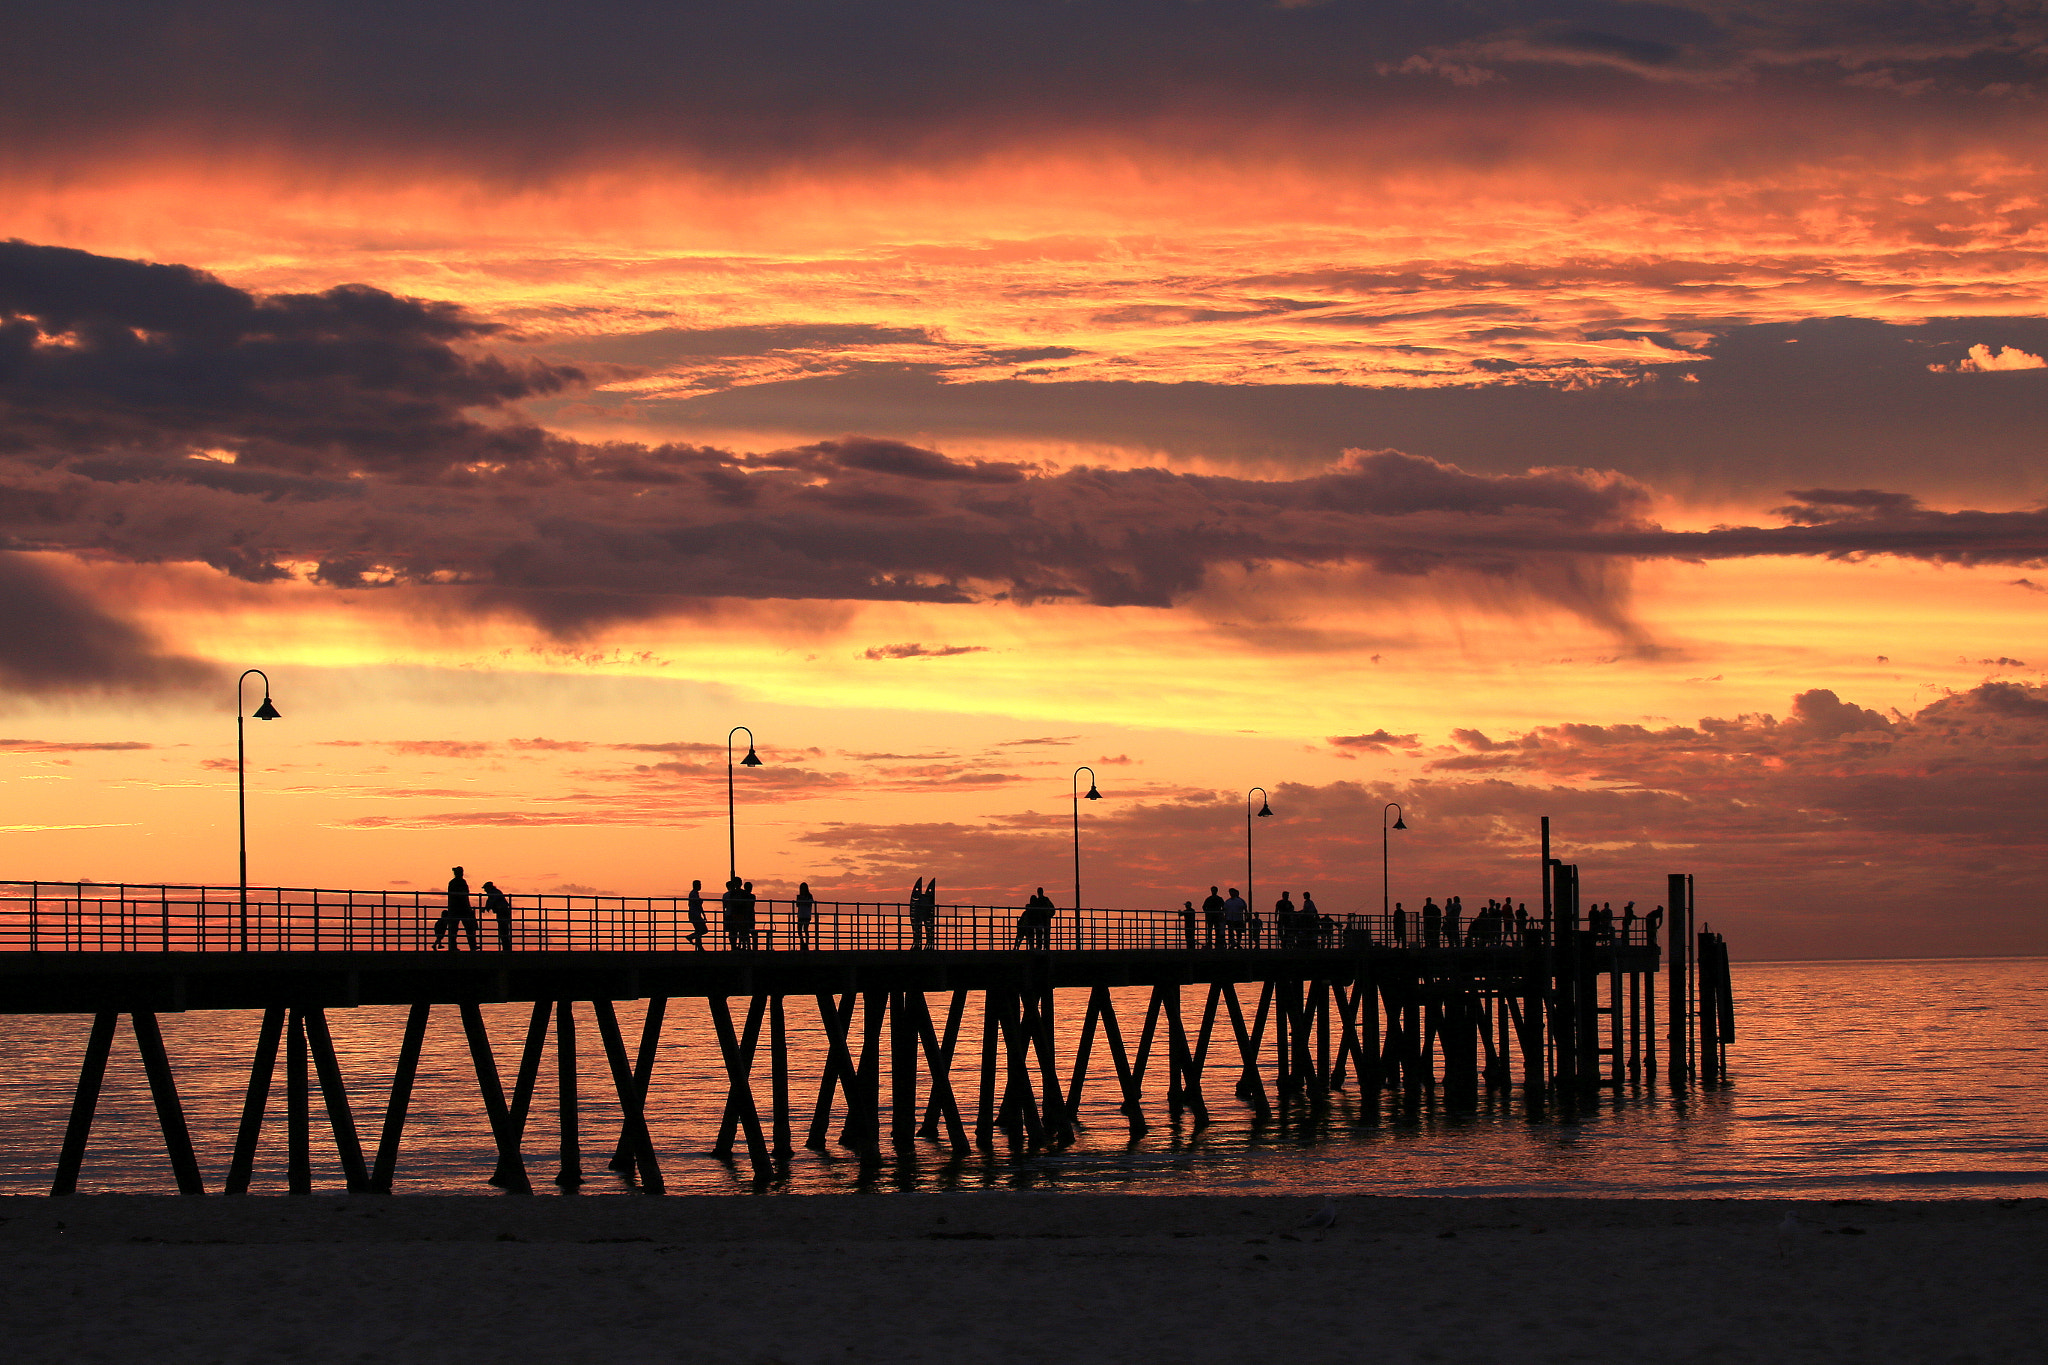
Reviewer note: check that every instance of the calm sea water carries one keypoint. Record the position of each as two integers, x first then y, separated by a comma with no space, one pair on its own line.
1919,1078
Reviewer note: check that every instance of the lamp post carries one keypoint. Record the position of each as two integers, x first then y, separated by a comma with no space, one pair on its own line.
266,711
1093,795
1386,896
1264,810
752,760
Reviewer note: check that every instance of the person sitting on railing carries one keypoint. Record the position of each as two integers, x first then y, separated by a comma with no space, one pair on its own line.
806,908
501,910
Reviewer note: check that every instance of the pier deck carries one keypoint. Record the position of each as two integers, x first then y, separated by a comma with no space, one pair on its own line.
1559,1008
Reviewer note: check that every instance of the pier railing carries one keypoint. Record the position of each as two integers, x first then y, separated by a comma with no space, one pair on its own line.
38,916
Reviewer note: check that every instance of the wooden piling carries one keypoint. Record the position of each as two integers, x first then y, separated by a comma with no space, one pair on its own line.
386,1167
334,1097
1677,1050
568,1109
92,1073
903,1113
262,1067
643,1075
523,1086
511,1173
298,1123
632,1099
740,1110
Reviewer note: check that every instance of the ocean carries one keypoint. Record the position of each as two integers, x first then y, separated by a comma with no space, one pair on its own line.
1848,1080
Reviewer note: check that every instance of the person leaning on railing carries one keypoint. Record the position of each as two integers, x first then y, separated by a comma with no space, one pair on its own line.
501,911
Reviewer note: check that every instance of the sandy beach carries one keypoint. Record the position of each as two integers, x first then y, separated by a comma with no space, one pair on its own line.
1016,1277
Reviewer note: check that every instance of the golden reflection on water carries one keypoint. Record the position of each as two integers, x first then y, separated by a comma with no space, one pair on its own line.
1848,1079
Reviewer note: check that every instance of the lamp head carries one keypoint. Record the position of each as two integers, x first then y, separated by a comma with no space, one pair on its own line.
1264,809
1093,795
752,760
1399,823
267,711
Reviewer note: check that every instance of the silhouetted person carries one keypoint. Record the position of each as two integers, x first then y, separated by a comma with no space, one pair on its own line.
806,907
747,904
1027,922
1284,925
1600,919
1318,926
697,924
461,914
1628,922
1212,917
1236,917
1522,918
1041,924
1652,922
1188,933
924,915
501,910
1454,914
1400,926
736,928
1432,922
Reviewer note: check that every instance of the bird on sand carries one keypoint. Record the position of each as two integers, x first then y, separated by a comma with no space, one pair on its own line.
1324,1217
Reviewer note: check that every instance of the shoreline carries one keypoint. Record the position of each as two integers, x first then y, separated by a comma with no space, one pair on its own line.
1015,1276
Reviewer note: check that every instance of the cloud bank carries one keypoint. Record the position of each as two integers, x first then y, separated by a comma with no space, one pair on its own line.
358,440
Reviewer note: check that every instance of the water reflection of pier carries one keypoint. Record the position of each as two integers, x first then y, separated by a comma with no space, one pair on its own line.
1554,1012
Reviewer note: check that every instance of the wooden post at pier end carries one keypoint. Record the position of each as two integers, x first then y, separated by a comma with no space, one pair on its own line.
1677,1047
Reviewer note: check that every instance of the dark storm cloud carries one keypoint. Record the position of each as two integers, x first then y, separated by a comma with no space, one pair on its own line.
129,358
1770,406
54,639
367,399
521,86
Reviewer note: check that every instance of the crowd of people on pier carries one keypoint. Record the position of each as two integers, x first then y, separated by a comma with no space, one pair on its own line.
1221,922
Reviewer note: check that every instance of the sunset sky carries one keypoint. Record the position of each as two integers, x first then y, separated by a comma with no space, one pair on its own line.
1627,412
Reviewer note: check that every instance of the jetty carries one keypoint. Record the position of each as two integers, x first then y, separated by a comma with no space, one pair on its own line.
1555,1010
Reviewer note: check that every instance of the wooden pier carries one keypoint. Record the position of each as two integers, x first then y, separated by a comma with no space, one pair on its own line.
1555,1011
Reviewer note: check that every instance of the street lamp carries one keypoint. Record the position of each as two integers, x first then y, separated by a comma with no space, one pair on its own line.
752,760
1264,811
1093,795
264,712
1386,897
